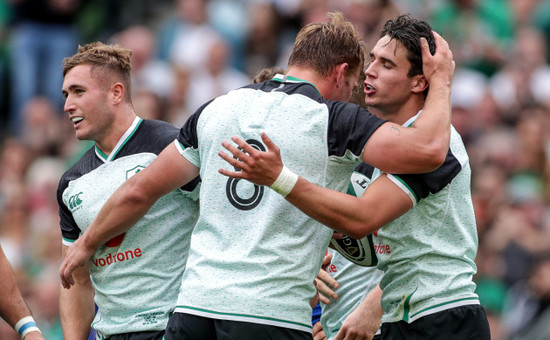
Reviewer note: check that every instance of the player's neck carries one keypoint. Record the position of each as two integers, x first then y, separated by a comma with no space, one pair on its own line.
399,115
115,131
309,76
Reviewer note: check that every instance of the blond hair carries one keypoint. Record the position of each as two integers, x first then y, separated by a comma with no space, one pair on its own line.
106,61
322,46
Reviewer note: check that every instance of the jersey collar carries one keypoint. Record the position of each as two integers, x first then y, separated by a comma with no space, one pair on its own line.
283,78
121,142
411,120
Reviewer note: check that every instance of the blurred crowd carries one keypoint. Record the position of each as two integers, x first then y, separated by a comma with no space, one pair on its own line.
186,52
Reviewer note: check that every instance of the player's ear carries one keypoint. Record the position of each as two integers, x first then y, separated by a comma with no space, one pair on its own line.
419,84
340,74
117,92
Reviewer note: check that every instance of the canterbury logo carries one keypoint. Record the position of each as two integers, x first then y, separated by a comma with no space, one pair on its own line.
75,201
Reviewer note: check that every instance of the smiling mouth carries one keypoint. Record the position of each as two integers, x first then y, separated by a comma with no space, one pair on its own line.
76,120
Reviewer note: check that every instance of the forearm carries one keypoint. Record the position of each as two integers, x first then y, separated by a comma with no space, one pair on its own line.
337,210
371,306
76,305
76,310
434,124
12,305
121,211
13,308
135,197
382,202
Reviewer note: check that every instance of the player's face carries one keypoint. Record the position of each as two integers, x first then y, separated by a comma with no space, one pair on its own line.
387,86
86,103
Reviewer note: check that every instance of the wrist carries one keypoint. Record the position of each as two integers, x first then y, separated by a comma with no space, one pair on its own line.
26,325
285,182
88,243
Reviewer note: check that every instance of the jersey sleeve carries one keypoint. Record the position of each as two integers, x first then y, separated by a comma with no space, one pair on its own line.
69,229
419,186
350,127
188,142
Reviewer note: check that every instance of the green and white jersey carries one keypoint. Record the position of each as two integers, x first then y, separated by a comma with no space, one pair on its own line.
253,255
355,281
136,276
428,254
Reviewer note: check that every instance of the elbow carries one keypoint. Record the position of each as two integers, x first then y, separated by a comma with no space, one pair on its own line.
359,229
440,154
134,194
435,155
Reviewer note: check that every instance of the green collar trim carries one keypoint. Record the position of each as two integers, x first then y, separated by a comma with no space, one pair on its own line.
283,78
121,142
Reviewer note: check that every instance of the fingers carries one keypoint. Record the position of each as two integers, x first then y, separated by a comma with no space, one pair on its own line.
441,43
233,174
65,273
236,152
338,236
424,47
318,332
328,281
244,146
325,291
236,163
269,143
441,46
326,260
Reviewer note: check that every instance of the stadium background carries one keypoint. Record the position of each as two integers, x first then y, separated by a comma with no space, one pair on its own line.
187,51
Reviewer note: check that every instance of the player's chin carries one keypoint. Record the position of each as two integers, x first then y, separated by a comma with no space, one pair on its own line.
81,134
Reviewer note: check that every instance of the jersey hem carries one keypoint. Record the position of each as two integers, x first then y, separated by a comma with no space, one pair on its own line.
437,308
242,317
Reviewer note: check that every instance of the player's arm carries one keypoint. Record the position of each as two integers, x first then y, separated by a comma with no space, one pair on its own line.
76,305
13,308
382,202
364,321
422,147
128,204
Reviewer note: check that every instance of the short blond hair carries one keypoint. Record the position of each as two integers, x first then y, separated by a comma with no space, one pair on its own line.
322,46
109,60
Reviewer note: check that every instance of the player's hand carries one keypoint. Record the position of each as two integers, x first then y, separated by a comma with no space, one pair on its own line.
364,321
358,326
77,255
34,336
438,68
319,332
325,283
259,167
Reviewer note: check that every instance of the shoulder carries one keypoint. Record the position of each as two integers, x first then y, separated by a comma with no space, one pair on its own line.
157,131
85,164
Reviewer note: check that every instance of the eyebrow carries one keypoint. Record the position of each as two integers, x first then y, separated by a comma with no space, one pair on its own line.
70,88
384,60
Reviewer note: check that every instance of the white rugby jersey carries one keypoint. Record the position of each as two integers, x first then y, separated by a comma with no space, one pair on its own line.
253,255
355,281
136,276
428,254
